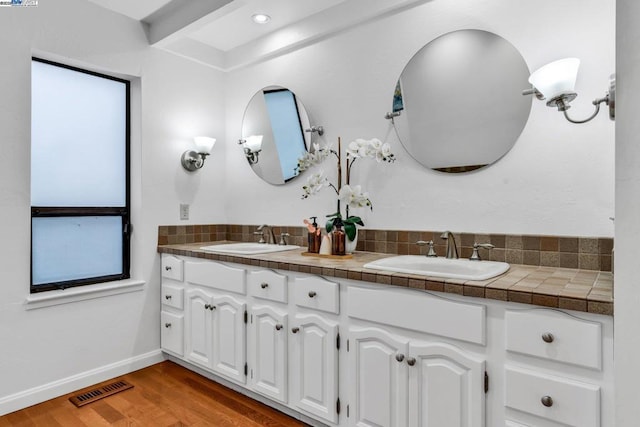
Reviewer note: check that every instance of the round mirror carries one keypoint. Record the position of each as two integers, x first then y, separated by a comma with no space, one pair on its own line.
274,134
460,101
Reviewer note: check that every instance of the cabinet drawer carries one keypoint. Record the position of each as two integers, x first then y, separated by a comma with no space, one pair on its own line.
317,293
172,333
568,402
418,311
172,296
218,276
269,285
172,267
554,335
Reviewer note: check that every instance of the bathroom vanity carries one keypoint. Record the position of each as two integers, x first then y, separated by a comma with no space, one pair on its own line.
332,343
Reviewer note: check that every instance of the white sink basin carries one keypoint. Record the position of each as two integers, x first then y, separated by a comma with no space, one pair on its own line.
248,248
440,267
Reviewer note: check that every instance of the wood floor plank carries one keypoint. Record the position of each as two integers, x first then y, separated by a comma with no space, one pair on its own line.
164,395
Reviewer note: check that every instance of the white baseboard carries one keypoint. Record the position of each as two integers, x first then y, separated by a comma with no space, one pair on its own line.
32,396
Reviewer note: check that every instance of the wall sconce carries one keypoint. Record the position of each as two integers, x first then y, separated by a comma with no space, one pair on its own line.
192,160
313,129
252,146
556,82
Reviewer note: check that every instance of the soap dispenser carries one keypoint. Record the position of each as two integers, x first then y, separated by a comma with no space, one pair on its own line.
338,238
314,237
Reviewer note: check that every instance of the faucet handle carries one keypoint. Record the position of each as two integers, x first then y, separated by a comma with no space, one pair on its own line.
475,256
261,234
431,252
283,242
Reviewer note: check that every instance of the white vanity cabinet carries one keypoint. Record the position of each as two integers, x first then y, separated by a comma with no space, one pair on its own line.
399,378
399,382
293,347
216,318
339,352
172,299
554,369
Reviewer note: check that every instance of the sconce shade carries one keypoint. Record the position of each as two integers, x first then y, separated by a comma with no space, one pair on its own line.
556,78
254,143
204,144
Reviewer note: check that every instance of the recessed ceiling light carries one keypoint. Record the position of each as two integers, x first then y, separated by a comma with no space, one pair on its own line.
261,18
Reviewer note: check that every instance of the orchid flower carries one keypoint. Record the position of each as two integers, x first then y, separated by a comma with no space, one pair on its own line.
315,183
353,196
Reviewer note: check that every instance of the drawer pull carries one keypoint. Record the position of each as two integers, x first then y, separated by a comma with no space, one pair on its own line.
167,297
264,285
547,337
168,268
312,294
399,357
411,361
278,327
295,329
547,401
167,325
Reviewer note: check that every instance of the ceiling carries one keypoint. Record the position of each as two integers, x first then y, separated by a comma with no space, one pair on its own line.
221,33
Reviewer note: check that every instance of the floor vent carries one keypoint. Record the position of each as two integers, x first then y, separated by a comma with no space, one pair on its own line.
90,396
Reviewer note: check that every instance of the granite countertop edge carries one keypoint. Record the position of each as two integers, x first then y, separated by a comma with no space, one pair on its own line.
553,287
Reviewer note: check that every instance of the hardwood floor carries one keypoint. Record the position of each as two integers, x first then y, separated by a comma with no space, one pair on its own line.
164,395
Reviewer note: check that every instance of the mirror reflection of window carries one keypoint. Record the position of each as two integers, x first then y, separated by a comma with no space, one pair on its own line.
288,134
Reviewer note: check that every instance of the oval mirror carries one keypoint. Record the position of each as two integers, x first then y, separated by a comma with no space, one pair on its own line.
273,134
460,101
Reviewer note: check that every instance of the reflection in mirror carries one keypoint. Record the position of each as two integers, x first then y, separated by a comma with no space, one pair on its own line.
277,119
458,106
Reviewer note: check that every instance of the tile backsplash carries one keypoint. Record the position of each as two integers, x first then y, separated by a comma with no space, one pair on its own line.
587,253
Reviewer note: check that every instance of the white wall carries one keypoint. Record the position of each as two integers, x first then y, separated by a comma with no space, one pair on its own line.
51,350
557,180
627,236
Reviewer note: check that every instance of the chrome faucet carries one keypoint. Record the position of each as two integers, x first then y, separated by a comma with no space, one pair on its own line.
271,236
452,250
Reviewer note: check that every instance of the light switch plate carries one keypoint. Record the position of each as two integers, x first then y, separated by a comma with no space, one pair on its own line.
184,211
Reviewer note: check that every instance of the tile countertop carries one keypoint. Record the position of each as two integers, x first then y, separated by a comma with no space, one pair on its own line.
565,288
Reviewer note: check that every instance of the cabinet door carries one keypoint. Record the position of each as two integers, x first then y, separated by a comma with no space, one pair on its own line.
314,368
268,331
229,337
198,327
446,387
378,378
172,332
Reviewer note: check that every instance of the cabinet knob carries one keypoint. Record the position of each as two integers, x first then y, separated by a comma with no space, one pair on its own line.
547,401
167,268
212,307
295,329
312,294
206,306
399,357
167,325
411,361
167,297
278,327
547,337
264,285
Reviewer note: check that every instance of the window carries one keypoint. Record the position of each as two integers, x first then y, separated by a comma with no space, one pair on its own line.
79,177
287,129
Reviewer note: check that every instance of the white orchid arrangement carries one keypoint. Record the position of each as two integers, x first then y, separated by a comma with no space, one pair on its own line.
350,196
